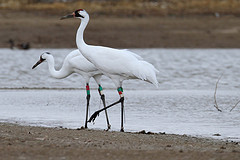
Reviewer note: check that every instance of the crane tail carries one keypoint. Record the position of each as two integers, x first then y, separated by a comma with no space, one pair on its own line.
147,72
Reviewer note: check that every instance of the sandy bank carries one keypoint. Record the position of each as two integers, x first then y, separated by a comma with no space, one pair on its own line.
26,142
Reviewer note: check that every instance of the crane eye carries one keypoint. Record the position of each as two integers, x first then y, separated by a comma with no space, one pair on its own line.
41,58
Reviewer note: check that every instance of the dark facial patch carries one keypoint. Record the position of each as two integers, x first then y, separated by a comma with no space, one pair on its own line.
42,59
77,13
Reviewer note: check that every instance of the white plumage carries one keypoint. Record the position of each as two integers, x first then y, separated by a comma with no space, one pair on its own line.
117,64
120,65
75,62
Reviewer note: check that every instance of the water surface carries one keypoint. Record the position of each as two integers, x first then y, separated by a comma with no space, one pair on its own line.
183,103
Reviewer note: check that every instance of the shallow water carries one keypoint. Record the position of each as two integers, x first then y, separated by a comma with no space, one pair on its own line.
179,69
183,103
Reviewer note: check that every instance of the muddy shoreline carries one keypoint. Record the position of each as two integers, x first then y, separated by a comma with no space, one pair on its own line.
45,30
28,142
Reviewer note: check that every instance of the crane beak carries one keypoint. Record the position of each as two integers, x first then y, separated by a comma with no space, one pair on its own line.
38,62
68,16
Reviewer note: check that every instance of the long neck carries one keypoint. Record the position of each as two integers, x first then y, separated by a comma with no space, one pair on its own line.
79,37
62,73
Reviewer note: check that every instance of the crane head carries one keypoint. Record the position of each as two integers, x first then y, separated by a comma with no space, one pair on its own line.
42,59
80,13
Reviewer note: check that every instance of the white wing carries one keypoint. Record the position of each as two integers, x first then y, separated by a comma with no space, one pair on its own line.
123,63
76,60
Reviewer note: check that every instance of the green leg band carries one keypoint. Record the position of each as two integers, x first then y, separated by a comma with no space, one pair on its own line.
120,91
100,90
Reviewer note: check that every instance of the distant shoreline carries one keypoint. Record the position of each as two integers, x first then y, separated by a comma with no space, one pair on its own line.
45,30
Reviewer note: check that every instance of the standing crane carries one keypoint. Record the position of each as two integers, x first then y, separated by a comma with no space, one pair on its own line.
76,63
117,64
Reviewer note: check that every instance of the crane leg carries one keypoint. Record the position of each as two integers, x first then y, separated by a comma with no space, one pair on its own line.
88,99
104,105
122,111
120,92
96,113
121,100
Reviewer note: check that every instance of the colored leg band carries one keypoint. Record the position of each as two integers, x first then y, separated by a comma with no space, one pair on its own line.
120,91
100,90
88,89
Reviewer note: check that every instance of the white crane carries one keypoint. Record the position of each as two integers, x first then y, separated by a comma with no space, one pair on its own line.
118,65
76,63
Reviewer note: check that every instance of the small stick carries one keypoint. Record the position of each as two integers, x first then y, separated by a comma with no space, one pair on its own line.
235,106
215,97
